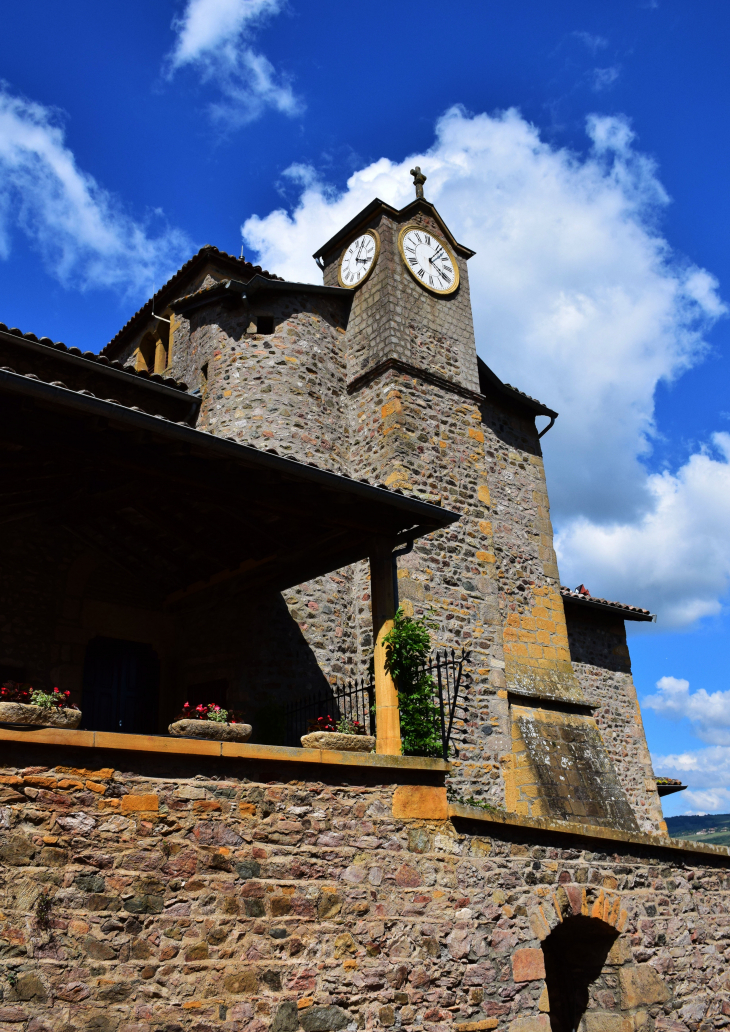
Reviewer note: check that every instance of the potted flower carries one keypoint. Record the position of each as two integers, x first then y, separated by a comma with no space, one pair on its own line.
343,735
23,704
211,721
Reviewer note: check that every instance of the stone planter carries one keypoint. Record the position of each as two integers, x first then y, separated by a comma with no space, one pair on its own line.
211,729
38,716
340,743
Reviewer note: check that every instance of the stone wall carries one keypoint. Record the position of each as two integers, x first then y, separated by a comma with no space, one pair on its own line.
282,391
143,891
427,441
537,660
600,658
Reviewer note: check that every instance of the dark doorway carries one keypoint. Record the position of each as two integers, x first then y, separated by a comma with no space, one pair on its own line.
575,954
121,687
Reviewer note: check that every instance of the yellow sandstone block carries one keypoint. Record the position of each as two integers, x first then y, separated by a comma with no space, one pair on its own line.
485,526
535,651
476,434
544,625
483,493
394,405
413,802
528,623
140,803
486,557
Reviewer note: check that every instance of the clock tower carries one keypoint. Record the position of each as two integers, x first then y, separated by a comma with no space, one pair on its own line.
428,418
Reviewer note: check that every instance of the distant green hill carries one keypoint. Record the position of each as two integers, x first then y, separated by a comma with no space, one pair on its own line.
712,827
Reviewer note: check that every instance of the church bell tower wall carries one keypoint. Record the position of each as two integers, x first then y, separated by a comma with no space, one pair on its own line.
536,653
426,440
282,390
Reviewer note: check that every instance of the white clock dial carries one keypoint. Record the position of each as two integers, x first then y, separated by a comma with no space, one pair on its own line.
358,259
429,260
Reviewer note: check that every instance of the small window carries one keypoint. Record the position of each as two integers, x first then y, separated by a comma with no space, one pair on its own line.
204,372
264,324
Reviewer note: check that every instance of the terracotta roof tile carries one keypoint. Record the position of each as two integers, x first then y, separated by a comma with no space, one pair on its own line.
168,381
208,251
581,594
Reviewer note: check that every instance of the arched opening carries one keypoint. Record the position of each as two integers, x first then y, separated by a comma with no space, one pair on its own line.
152,352
146,353
575,955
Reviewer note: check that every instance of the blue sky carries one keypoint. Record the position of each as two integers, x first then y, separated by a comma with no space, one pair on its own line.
581,148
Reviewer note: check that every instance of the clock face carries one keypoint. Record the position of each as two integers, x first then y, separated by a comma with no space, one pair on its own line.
359,258
429,260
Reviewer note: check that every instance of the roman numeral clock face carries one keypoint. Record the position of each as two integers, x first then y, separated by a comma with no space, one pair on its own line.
429,260
359,258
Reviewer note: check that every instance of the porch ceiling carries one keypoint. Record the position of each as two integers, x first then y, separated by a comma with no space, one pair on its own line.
178,507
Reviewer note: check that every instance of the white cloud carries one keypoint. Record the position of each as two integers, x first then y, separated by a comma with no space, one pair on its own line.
706,771
213,36
593,42
85,237
675,557
708,712
580,301
604,78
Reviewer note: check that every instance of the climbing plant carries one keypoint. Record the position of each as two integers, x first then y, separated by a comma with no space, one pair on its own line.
407,647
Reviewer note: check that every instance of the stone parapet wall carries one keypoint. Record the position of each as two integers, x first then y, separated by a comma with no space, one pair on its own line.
169,893
600,658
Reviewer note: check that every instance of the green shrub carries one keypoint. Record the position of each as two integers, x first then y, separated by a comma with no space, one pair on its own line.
407,648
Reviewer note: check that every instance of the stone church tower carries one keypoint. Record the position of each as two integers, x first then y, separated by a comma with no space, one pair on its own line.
375,375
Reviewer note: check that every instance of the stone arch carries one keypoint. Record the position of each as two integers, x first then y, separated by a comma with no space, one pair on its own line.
571,900
592,983
575,954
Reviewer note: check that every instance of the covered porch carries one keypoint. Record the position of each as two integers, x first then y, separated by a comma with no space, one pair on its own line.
143,559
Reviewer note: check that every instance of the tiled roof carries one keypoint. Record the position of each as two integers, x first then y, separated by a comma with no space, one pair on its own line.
102,360
581,594
489,379
167,290
39,387
522,394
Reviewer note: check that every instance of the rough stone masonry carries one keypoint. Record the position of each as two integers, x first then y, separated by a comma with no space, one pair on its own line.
172,892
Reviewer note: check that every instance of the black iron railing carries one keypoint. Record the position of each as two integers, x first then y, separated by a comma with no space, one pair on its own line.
450,680
355,700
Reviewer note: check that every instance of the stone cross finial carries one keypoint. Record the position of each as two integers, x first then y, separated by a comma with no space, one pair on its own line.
418,180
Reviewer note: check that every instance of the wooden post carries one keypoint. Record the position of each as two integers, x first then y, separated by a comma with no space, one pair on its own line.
383,609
